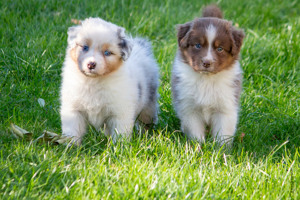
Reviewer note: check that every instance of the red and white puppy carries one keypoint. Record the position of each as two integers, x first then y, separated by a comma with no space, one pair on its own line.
108,80
206,77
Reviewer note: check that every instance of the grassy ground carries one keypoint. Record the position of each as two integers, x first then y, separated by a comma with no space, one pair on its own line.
160,164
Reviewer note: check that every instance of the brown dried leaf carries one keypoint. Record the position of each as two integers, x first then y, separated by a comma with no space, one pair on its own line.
47,136
53,138
63,140
20,133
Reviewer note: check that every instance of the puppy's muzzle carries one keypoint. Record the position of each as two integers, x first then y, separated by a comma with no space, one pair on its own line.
207,63
91,65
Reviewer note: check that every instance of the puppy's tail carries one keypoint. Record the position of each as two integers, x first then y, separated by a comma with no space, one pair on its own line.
212,11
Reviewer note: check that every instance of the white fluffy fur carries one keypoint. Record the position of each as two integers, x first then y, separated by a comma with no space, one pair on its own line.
206,99
210,34
113,101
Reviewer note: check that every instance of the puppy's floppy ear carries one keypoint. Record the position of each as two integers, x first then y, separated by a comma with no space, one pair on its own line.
72,34
237,37
124,44
183,33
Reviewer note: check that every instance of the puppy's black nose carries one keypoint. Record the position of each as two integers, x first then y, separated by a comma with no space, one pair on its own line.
206,63
91,65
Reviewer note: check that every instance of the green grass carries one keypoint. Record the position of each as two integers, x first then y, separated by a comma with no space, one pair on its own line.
160,164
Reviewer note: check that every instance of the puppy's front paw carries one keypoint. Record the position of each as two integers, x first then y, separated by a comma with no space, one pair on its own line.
69,140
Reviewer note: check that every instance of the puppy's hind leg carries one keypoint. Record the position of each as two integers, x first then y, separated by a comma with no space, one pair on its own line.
147,118
149,114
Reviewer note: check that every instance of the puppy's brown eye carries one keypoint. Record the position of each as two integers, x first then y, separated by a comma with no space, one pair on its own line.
220,49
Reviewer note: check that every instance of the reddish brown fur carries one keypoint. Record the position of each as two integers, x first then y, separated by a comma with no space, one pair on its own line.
227,37
212,11
74,54
112,66
111,63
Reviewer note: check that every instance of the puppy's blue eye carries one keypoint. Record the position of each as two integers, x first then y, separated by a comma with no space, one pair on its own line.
85,48
198,46
107,53
219,49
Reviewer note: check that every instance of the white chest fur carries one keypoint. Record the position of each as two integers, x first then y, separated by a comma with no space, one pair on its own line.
98,99
209,99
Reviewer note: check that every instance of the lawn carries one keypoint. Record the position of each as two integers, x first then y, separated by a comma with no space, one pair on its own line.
162,163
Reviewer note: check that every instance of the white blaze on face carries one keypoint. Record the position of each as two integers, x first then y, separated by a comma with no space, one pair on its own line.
210,35
90,56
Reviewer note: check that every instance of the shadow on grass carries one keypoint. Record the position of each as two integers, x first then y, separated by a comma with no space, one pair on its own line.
284,134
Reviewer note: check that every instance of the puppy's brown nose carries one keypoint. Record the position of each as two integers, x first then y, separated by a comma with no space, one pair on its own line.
91,65
206,63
